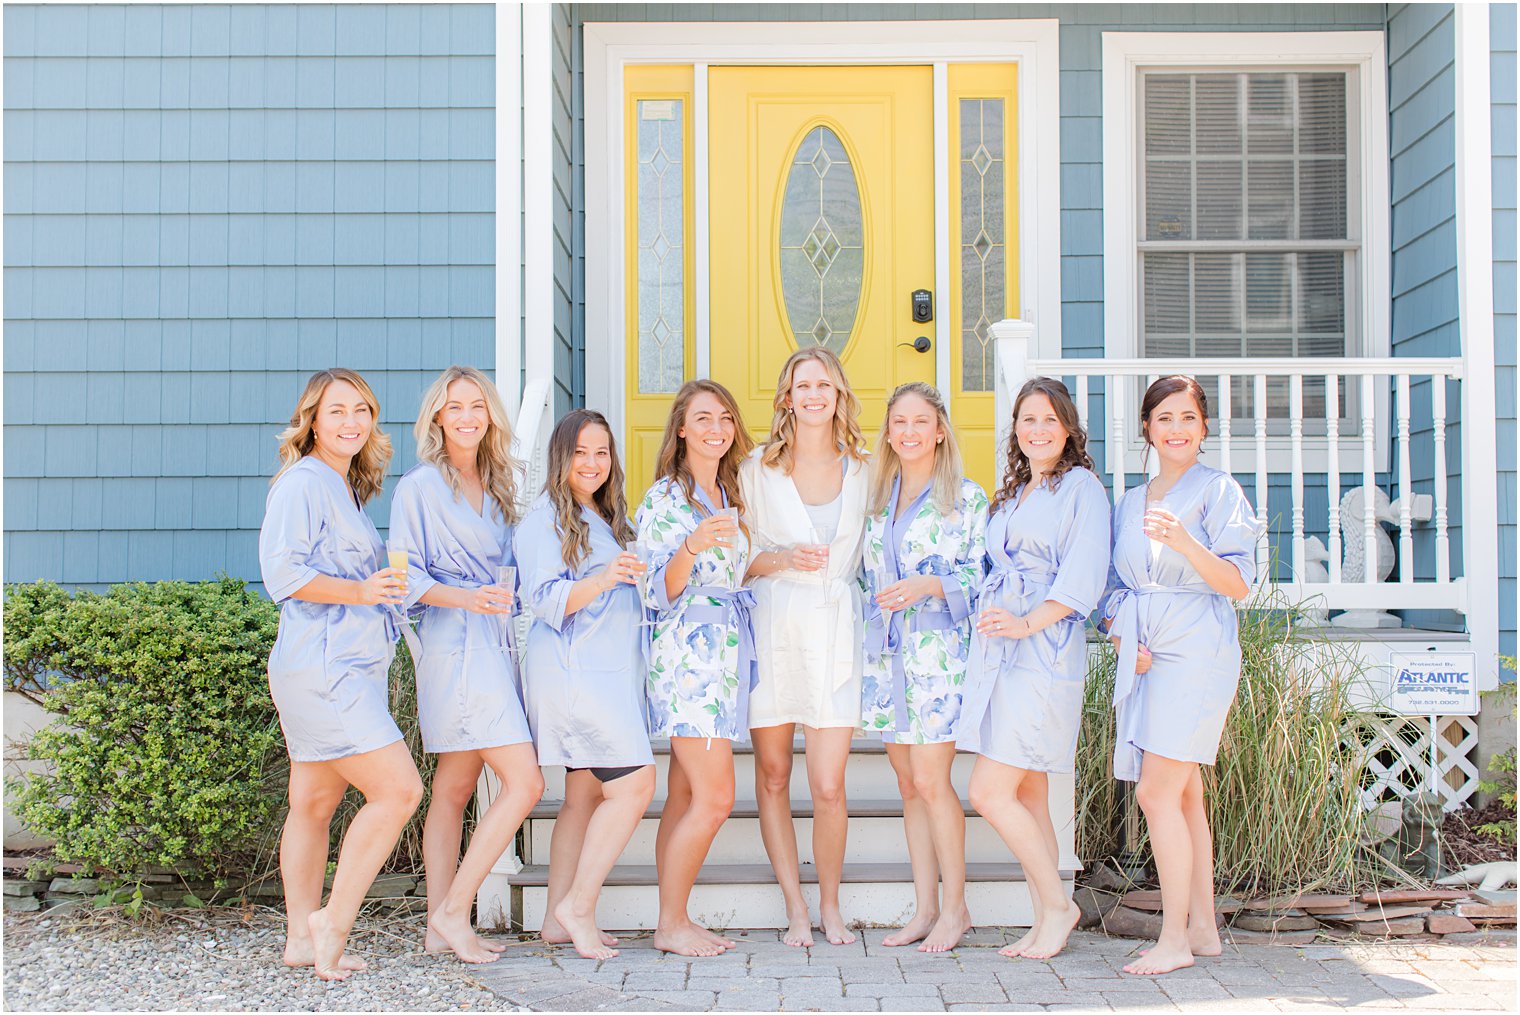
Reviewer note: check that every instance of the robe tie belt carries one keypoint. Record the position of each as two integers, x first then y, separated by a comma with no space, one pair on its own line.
883,637
1126,627
735,607
1004,582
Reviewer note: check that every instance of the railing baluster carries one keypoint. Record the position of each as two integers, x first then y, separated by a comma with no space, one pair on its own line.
1333,475
1438,419
1296,441
1369,486
1115,455
1406,487
1082,401
1263,553
1224,421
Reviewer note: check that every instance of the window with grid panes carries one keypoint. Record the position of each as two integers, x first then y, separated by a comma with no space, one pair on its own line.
1248,241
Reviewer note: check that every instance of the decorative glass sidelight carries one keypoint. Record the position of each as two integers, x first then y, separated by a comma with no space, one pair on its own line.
822,245
983,227
660,205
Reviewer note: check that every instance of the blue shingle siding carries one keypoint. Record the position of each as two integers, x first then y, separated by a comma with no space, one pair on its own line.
1502,97
202,205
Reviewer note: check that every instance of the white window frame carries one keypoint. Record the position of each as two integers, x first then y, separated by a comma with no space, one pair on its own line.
1362,55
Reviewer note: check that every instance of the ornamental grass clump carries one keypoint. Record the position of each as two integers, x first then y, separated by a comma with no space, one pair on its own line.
1284,796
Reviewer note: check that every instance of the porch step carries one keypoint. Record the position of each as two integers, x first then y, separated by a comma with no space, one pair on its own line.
644,875
802,808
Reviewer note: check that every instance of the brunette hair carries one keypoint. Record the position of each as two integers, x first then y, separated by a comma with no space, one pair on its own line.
1016,470
671,462
608,501
1160,390
493,455
847,433
948,468
366,470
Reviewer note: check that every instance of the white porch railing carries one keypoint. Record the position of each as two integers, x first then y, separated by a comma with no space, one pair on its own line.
1343,573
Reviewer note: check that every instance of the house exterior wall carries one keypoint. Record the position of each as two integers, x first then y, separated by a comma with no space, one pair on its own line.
1502,97
202,205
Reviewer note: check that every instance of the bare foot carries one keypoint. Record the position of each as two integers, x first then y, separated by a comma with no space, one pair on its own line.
948,931
326,947
553,934
915,929
583,932
718,939
1054,931
1163,958
458,935
298,956
434,944
833,926
799,931
1204,940
1016,950
686,939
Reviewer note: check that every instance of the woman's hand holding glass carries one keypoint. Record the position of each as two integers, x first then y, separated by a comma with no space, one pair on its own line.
900,595
718,530
625,569
491,600
386,587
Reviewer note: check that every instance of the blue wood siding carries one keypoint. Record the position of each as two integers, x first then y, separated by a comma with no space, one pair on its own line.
1502,97
202,205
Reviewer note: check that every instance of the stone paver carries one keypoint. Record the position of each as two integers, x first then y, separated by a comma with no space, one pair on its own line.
762,974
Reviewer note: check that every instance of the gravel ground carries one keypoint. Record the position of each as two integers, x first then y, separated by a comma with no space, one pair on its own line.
220,960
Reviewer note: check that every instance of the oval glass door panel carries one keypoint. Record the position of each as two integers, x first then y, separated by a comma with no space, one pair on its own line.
822,243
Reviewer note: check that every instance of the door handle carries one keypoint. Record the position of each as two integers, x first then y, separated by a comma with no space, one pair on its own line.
919,344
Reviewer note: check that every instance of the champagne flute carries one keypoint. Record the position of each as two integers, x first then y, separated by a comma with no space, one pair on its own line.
397,559
881,577
645,554
506,577
823,536
731,559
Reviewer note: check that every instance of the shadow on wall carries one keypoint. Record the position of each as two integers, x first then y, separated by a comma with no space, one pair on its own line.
22,719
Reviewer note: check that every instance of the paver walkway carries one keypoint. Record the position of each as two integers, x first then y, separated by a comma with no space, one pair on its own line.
763,974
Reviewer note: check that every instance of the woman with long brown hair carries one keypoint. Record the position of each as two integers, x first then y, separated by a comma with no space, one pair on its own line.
806,488
1047,542
321,560
453,515
585,670
1184,553
702,652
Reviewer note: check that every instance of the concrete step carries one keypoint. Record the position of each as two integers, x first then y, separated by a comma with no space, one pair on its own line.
745,895
876,835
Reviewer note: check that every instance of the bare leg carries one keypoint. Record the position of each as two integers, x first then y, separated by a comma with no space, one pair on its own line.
1034,794
828,751
582,794
994,793
392,789
709,770
677,801
773,792
454,784
920,852
1203,931
1163,782
315,792
612,825
522,785
947,823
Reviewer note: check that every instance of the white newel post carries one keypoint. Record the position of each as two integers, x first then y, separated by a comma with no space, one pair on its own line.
1013,342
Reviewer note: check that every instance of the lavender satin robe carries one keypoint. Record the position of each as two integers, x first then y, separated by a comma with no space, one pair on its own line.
329,670
585,671
1178,708
468,695
1023,700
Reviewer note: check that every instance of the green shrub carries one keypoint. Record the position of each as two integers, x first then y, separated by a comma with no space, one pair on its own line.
168,738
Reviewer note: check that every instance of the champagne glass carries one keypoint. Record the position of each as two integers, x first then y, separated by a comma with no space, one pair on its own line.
823,536
397,558
731,559
645,554
881,577
506,577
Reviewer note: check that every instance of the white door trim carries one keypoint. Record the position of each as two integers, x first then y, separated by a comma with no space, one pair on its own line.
509,232
1033,44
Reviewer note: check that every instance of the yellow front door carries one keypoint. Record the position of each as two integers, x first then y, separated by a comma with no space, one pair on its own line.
821,195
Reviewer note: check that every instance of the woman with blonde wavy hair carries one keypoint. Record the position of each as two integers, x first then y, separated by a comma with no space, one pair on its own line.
453,514
585,670
806,489
322,560
925,545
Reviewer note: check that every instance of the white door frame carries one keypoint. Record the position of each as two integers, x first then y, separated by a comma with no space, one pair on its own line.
608,47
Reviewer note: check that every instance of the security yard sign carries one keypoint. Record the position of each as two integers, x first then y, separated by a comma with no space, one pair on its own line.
1434,683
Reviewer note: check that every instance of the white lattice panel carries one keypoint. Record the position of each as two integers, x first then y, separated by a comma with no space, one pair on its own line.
1396,752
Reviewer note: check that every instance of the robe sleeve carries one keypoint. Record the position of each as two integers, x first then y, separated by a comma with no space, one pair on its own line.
961,587
663,521
1231,526
288,536
1114,590
542,575
1085,546
409,530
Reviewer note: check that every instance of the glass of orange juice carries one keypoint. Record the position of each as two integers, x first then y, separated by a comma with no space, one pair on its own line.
396,557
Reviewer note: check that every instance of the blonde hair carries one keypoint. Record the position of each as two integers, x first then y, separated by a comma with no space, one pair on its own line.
847,433
948,468
366,470
608,501
671,462
493,455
